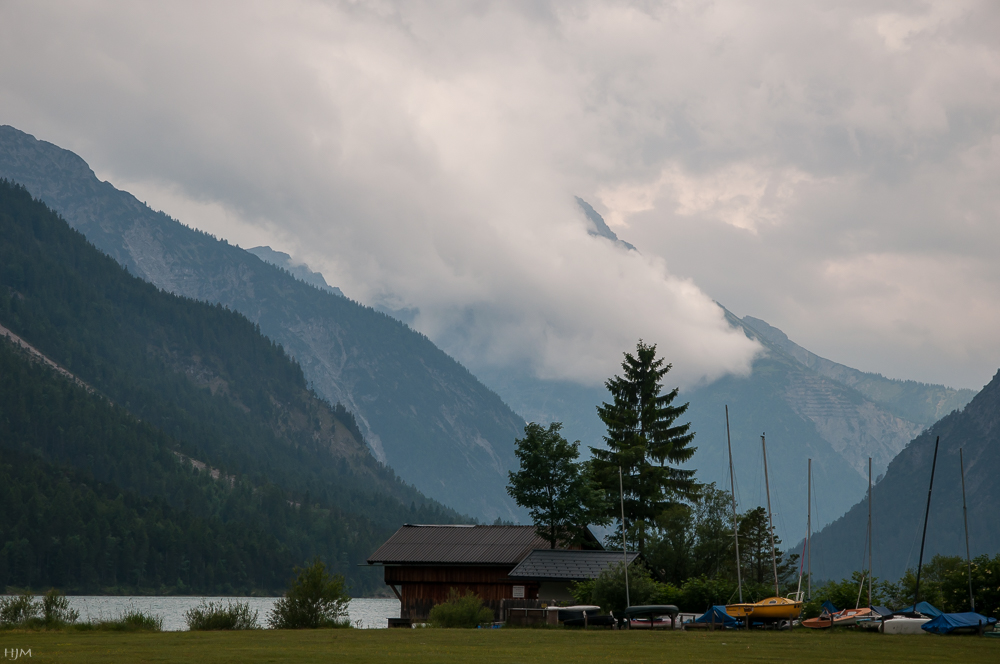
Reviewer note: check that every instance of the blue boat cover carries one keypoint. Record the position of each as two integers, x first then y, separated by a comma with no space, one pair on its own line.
922,607
881,610
829,607
946,623
721,617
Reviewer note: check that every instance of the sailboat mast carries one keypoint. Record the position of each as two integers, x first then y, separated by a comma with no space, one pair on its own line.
809,551
770,517
736,523
621,490
920,563
965,516
869,531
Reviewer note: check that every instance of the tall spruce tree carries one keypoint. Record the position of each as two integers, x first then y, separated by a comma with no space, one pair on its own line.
554,487
755,551
642,438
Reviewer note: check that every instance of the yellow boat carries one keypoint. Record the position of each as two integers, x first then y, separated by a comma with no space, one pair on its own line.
771,608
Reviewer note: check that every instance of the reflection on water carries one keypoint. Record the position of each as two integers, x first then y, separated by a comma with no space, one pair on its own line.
363,612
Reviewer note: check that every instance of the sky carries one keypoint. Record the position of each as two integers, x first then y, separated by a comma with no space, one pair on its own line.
832,168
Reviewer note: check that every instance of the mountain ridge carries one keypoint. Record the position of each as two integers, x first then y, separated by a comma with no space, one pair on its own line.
899,500
300,271
123,384
419,410
940,399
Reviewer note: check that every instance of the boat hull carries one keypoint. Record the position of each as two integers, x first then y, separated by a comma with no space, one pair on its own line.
850,617
772,608
818,623
904,625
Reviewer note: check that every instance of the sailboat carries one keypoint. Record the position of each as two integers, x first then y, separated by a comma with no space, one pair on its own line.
912,619
776,608
922,615
859,615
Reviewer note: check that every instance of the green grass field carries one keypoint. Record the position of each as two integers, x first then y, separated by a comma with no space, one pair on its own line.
506,645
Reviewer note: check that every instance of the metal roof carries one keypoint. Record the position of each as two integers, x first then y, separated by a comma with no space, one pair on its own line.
468,545
567,564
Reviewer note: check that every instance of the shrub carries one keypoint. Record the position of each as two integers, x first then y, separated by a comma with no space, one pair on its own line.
701,593
314,599
608,589
211,616
17,609
460,611
56,611
130,620
53,611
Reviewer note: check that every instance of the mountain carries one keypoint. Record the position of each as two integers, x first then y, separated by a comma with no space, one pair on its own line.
809,407
181,409
899,500
598,227
298,270
419,410
920,403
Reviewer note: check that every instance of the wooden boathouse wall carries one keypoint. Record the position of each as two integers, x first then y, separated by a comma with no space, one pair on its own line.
424,563
419,588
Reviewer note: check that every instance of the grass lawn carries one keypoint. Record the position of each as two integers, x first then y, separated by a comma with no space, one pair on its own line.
504,645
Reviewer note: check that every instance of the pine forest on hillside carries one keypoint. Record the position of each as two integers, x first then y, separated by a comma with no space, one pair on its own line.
421,412
173,381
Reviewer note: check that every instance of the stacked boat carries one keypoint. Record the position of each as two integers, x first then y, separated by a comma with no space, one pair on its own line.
923,618
768,610
845,618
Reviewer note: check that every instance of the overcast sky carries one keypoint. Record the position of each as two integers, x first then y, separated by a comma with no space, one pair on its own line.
832,168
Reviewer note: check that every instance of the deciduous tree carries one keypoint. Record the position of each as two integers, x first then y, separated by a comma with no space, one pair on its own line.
553,486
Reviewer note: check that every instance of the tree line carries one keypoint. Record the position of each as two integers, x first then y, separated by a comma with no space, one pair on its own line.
681,528
684,530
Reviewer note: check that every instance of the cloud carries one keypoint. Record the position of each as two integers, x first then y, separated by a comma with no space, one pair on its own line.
743,195
426,156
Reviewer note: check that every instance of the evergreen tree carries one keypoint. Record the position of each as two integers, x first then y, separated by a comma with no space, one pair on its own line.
642,434
553,486
713,530
755,551
168,380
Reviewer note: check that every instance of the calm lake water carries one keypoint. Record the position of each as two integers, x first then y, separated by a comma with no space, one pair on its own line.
365,613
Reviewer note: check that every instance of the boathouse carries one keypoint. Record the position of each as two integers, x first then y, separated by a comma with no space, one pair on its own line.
422,563
555,570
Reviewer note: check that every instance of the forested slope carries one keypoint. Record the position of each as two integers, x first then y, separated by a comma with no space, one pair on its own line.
899,501
176,380
421,412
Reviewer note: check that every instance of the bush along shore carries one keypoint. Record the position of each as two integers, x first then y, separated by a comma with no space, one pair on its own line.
52,612
315,599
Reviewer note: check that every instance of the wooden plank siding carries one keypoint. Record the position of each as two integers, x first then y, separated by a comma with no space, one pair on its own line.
423,586
423,563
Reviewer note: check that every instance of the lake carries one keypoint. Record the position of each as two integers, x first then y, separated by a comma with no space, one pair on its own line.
366,613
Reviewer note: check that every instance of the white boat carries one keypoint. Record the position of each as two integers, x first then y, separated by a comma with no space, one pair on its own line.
902,625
